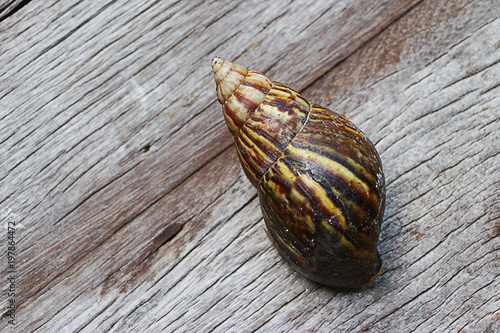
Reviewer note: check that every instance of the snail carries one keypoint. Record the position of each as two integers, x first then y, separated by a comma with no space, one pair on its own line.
319,179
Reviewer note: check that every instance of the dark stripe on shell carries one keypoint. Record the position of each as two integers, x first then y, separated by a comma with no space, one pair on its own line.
248,103
264,90
227,113
340,144
269,149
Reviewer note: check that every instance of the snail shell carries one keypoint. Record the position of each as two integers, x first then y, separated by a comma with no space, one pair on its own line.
319,179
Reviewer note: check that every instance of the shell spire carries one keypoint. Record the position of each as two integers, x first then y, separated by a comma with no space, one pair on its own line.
239,91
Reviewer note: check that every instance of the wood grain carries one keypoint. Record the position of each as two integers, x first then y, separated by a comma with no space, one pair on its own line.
9,7
132,213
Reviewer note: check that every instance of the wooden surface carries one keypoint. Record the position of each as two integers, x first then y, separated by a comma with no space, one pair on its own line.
132,212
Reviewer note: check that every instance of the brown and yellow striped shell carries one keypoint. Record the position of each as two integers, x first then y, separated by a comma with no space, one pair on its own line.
319,179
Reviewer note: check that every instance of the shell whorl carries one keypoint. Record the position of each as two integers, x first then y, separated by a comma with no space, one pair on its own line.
239,91
263,116
319,179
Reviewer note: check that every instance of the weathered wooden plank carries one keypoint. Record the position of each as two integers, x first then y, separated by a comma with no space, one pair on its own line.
133,211
9,7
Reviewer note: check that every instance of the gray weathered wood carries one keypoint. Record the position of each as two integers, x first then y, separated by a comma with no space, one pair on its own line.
132,212
8,7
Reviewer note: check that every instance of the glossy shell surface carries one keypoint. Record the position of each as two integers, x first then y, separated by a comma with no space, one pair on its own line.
319,179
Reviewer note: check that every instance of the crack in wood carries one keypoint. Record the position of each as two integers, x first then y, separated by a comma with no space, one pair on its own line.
144,261
10,8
